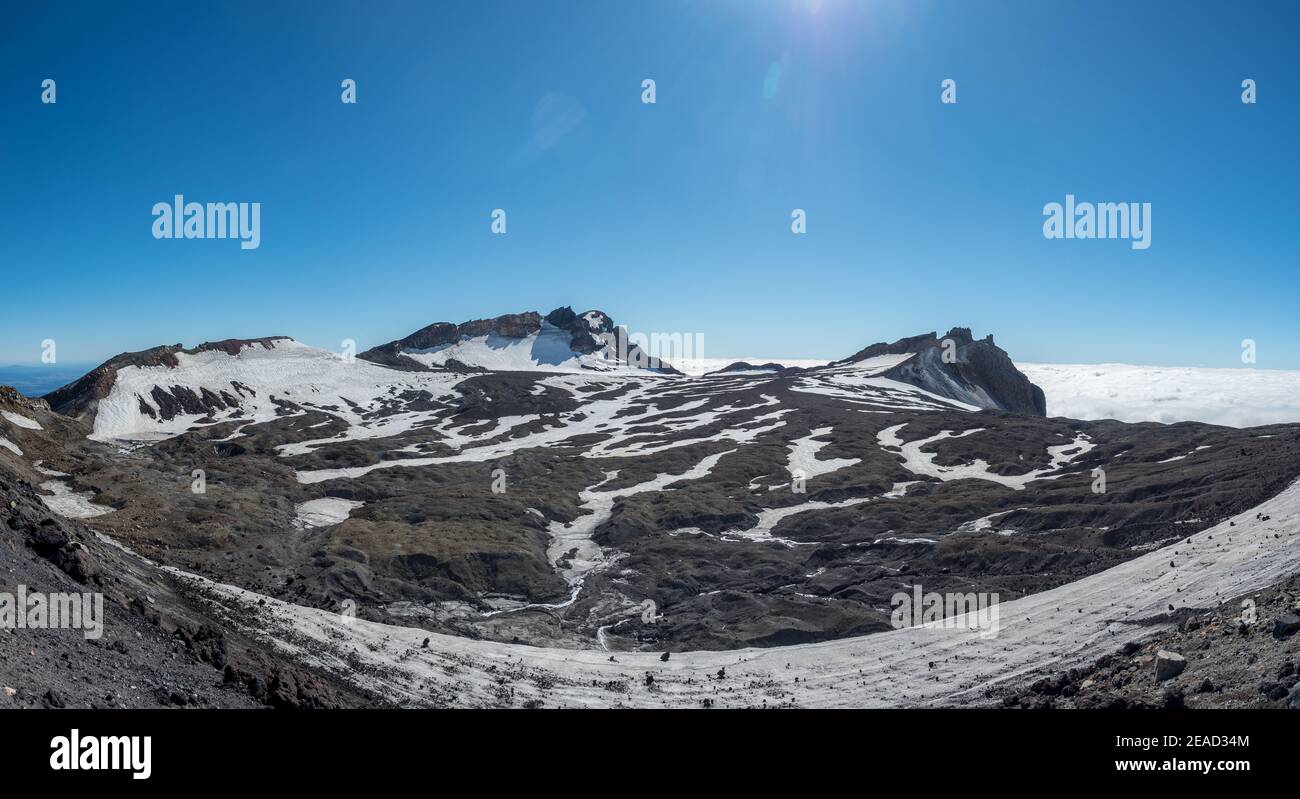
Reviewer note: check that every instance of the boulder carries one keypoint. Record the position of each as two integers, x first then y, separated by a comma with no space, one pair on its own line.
1285,625
1169,665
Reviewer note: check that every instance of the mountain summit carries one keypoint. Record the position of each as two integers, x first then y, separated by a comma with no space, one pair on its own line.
957,366
523,342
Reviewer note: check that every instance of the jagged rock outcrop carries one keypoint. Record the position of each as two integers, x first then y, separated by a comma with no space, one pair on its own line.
958,366
441,334
11,399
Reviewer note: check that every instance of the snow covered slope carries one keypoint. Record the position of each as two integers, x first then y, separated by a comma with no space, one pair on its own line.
1243,397
957,366
257,384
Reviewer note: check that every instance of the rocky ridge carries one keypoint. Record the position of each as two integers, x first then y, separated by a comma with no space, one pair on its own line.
960,367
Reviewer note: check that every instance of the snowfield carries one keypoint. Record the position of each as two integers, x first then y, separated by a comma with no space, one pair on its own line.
324,512
1244,397
66,502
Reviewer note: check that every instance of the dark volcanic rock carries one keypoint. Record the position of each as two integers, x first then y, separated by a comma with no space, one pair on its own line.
1169,665
1285,625
155,646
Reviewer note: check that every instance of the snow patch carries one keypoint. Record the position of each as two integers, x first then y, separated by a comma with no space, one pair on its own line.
68,503
803,456
325,512
880,363
21,421
863,387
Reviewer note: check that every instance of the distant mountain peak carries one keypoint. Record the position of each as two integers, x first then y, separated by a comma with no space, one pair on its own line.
960,367
562,340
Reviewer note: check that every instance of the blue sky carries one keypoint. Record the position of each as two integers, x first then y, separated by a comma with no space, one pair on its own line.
672,217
